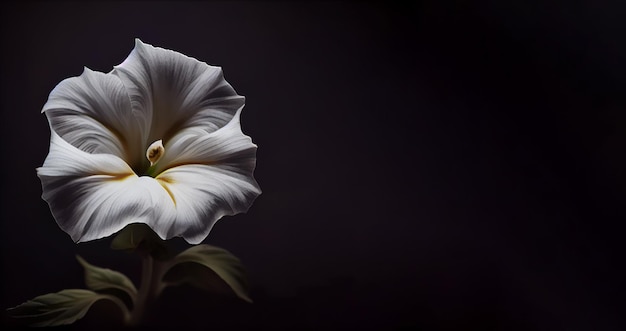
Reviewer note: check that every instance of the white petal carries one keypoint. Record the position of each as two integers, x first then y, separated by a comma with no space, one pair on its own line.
172,91
203,194
227,146
93,113
92,196
209,175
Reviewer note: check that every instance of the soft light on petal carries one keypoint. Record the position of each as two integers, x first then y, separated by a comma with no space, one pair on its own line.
171,91
203,194
208,175
92,196
226,146
93,113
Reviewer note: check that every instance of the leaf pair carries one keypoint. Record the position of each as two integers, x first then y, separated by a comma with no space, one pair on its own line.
194,266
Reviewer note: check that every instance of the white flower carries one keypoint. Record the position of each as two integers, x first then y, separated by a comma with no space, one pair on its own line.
157,140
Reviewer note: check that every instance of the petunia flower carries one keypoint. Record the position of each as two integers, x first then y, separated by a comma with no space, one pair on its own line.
157,140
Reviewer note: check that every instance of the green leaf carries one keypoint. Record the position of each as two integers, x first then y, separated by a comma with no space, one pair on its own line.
183,269
53,309
140,237
99,279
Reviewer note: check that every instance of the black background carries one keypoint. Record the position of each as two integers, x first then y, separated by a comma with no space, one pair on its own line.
429,165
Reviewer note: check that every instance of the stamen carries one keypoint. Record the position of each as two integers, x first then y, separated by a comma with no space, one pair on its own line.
155,152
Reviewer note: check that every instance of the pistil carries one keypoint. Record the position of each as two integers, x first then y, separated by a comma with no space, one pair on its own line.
154,153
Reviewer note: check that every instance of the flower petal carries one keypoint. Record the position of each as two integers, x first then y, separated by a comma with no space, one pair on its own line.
172,92
203,194
92,196
93,113
208,175
226,146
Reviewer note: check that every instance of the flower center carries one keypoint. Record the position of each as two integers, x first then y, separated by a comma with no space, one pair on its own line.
155,152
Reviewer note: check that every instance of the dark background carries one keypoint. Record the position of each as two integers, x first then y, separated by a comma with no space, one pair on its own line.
429,165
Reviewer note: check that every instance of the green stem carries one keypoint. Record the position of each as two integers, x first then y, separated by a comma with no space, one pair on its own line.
147,291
